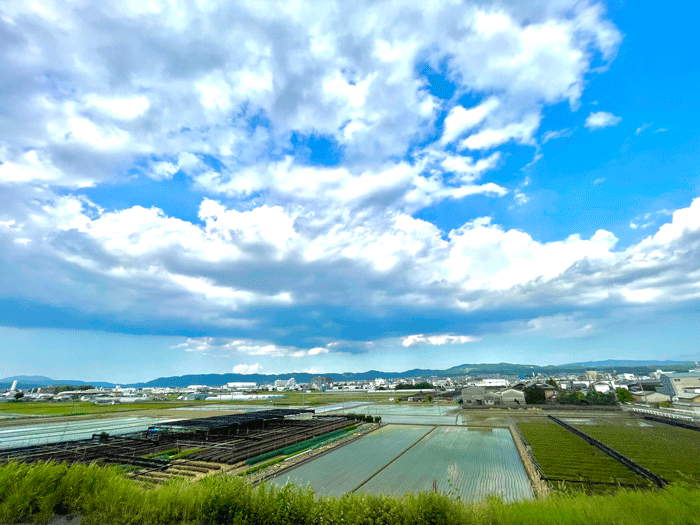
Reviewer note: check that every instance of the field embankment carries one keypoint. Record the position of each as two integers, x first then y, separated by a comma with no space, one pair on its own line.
103,495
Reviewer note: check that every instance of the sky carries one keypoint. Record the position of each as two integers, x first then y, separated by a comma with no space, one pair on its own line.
270,187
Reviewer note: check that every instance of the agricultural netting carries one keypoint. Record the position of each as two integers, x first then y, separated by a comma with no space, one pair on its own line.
58,432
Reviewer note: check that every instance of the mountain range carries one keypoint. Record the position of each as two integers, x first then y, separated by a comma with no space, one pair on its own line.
476,370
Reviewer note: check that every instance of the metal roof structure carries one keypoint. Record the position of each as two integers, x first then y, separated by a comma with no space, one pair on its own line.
230,421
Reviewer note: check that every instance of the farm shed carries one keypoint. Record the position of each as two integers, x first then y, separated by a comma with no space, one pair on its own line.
512,398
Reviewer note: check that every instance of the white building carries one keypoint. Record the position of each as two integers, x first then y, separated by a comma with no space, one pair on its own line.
241,385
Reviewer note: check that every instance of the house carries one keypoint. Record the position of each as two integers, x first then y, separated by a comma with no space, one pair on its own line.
473,395
651,397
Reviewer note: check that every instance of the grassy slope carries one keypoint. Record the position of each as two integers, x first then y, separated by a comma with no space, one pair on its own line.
103,495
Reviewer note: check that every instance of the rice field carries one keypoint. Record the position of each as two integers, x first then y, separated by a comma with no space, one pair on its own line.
668,451
563,455
403,459
344,469
410,414
462,463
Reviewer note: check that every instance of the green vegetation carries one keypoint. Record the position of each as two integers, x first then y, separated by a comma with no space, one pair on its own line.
57,389
590,398
668,451
261,466
78,408
624,396
563,455
534,395
301,446
103,495
173,453
418,386
163,455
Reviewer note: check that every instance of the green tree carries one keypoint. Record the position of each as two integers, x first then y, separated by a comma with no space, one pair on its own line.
534,395
624,396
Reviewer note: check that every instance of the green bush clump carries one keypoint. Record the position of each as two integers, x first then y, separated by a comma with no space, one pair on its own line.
103,495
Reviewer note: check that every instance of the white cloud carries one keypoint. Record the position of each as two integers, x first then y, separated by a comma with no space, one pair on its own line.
552,135
231,347
131,83
601,119
489,138
460,119
560,326
438,340
641,128
247,369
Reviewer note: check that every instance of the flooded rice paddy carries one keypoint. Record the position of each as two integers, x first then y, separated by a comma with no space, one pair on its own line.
401,459
344,469
464,463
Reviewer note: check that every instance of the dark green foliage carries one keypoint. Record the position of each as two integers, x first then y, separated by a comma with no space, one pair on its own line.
624,396
534,395
591,398
104,496
553,383
418,386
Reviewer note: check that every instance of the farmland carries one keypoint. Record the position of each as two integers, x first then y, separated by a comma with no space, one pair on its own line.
411,414
463,463
342,470
563,455
403,459
668,451
77,408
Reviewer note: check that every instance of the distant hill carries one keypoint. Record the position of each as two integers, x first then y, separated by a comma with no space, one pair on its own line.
610,363
27,382
299,377
477,369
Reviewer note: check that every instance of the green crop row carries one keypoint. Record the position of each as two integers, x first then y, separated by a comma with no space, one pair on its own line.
298,447
563,455
103,495
668,451
261,466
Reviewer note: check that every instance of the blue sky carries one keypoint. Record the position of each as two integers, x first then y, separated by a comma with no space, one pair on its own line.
335,187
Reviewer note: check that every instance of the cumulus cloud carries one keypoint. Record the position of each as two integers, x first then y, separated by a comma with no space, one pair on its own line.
601,119
230,347
282,256
247,369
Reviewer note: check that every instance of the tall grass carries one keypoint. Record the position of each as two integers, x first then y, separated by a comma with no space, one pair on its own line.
103,495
